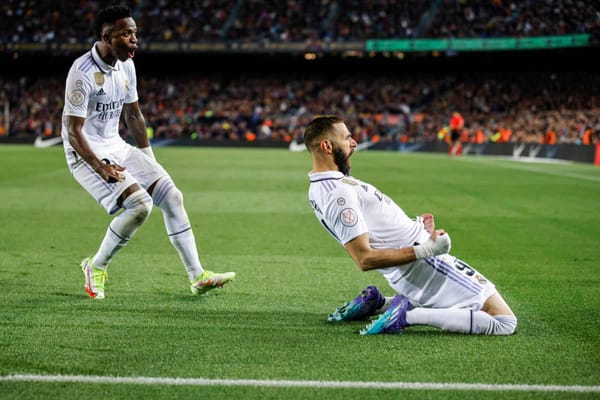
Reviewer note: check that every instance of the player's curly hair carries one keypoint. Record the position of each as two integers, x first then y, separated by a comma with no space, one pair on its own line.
109,15
317,128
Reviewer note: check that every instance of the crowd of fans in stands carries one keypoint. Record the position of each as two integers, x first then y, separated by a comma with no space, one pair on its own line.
391,108
303,20
413,108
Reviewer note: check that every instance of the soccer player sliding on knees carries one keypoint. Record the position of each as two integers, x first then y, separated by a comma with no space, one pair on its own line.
432,287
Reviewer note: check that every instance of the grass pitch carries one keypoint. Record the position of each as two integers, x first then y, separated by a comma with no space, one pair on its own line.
532,229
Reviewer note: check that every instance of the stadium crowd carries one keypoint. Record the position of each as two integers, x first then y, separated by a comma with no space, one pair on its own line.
550,107
542,107
34,21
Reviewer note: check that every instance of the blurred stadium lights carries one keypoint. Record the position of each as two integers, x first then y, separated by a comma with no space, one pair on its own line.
354,54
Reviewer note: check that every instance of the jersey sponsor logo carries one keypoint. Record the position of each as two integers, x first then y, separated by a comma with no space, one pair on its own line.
348,217
76,97
109,110
113,105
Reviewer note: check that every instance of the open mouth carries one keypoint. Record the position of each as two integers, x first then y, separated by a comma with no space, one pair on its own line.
131,53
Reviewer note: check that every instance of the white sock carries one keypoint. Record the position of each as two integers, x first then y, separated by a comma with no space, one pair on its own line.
137,207
386,304
463,321
170,200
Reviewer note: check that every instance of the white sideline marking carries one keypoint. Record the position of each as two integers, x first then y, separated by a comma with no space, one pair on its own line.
140,380
492,159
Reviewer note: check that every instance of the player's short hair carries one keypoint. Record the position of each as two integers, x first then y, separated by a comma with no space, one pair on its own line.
318,128
110,15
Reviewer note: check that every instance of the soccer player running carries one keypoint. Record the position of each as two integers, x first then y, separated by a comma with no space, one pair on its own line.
433,288
100,89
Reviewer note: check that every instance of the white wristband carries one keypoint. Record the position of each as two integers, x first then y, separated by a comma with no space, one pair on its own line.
441,245
423,250
148,151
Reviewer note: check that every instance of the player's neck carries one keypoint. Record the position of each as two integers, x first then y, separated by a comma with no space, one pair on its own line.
323,166
105,55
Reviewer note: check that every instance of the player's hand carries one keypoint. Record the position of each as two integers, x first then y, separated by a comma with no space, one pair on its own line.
438,243
442,243
428,222
111,173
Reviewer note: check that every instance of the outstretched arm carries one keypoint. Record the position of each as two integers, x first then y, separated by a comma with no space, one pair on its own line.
368,258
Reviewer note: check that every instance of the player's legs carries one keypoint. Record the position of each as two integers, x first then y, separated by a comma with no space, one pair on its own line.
165,195
454,143
400,314
127,194
137,205
136,208
169,199
463,320
495,305
466,302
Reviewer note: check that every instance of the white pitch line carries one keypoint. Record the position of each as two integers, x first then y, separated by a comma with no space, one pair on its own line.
501,162
303,384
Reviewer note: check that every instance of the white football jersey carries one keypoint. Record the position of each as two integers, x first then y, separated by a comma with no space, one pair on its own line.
97,91
347,207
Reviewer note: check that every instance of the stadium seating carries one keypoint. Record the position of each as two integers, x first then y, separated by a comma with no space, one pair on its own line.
395,108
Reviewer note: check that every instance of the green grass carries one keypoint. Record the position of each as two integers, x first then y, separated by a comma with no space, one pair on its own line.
533,229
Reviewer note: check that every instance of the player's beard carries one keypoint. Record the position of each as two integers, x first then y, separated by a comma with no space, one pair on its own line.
341,160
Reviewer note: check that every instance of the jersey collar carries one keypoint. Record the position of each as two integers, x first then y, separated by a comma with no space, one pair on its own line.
319,176
100,62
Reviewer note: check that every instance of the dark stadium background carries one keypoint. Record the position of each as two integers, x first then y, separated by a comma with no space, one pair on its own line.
233,64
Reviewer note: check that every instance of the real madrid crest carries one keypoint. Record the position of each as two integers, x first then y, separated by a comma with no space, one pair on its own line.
99,78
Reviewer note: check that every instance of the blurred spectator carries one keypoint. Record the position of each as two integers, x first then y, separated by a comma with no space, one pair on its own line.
499,18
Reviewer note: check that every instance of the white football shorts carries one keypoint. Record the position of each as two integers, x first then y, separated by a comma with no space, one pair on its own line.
140,168
442,281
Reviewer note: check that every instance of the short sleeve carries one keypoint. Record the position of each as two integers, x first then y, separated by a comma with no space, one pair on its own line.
344,214
77,93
